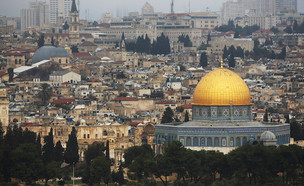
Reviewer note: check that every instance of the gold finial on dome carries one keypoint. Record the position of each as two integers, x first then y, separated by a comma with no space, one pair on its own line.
221,62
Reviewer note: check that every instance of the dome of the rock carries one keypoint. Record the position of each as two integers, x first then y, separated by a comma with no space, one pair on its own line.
221,87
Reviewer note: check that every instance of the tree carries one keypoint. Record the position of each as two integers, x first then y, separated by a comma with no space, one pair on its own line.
41,41
139,160
288,30
265,118
108,150
71,155
295,26
203,60
123,36
167,116
26,163
48,148
186,117
45,93
58,152
100,169
53,41
231,60
74,49
282,54
65,26
225,53
274,30
239,52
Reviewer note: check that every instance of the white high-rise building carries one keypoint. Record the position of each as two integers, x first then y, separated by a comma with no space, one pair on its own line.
36,15
59,10
238,8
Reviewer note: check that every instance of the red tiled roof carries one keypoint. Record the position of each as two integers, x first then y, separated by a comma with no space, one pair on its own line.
134,124
187,106
81,54
14,54
2,73
125,99
63,100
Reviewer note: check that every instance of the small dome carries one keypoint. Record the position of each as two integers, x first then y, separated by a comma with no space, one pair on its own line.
221,87
46,52
82,121
267,135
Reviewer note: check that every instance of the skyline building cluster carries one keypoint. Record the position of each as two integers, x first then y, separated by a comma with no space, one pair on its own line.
239,8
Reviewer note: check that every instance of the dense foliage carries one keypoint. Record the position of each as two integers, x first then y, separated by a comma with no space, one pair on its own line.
239,31
143,45
185,39
247,165
23,159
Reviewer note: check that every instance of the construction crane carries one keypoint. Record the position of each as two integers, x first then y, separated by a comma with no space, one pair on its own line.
172,7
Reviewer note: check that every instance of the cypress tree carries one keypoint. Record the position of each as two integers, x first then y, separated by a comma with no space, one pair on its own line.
231,60
186,117
41,41
167,116
58,152
225,52
203,60
71,155
107,150
48,148
265,118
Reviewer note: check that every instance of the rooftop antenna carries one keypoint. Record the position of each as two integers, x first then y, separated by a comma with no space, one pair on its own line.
172,6
189,6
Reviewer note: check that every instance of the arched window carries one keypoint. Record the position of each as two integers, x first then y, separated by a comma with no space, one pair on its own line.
231,141
217,141
195,141
238,141
105,133
182,140
203,141
209,141
188,141
224,142
244,140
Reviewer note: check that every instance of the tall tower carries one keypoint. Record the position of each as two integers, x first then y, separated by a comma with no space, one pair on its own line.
4,103
74,24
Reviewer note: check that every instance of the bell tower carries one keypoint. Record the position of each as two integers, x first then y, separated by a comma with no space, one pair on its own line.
4,106
74,24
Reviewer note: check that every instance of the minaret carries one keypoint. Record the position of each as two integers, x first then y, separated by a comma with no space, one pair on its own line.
123,51
4,109
74,24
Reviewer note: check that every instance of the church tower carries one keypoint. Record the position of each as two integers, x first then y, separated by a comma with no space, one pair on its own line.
4,103
74,24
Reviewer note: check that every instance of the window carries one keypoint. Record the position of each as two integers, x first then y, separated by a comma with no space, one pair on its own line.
59,60
209,141
244,140
223,142
195,141
181,139
231,142
202,141
88,136
188,141
84,136
238,141
217,141
19,61
16,62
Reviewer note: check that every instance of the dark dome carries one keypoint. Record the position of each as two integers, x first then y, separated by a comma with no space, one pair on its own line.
46,52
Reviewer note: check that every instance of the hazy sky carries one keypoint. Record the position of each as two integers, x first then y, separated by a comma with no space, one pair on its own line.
93,9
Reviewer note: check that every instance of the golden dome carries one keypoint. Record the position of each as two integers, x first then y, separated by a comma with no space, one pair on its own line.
221,87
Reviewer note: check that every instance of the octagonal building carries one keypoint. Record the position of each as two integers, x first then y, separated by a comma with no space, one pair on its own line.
221,117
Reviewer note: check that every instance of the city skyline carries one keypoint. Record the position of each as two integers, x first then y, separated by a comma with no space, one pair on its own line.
93,9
